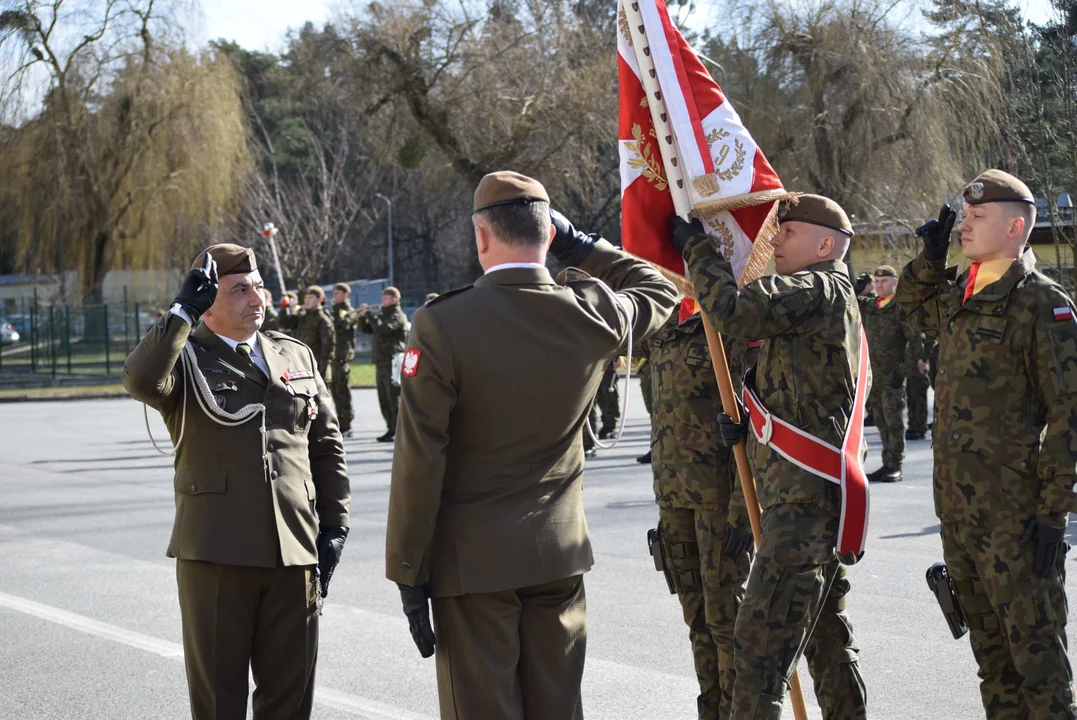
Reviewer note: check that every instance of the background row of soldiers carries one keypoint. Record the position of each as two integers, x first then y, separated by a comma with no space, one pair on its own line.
330,334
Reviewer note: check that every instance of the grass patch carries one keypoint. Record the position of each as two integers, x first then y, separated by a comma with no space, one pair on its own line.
362,375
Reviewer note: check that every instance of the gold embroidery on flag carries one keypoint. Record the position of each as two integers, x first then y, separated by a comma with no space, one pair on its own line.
725,239
644,158
622,24
717,135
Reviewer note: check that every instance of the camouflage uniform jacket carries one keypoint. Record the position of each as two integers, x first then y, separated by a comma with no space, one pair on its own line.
691,470
1006,392
806,373
345,321
892,344
390,331
313,328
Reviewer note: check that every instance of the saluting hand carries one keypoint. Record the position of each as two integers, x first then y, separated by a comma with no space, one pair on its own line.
936,234
199,289
416,602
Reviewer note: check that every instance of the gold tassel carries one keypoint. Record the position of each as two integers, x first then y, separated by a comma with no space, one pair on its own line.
706,184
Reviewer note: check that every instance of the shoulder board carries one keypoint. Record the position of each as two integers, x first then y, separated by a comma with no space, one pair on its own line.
277,335
572,274
446,295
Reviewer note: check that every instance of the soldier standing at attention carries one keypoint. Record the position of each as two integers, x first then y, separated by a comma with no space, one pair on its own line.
313,327
344,323
261,487
485,507
916,386
806,377
642,350
895,351
1005,456
390,330
608,400
702,520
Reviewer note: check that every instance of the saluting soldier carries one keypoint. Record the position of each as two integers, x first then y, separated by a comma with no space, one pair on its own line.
1005,456
390,330
703,525
805,381
261,487
895,352
485,508
345,322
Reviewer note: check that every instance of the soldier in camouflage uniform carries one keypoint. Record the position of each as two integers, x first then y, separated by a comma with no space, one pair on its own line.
345,321
608,400
809,321
916,386
1004,447
313,327
390,331
895,349
642,350
703,523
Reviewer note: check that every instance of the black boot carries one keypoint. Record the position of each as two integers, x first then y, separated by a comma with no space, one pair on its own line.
644,459
915,434
388,436
888,475
607,433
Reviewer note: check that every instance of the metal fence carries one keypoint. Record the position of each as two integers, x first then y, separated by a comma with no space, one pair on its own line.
67,339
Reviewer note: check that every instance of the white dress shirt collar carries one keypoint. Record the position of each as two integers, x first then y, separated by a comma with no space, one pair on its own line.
509,266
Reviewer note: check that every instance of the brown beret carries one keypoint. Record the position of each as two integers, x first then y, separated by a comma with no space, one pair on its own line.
885,271
391,291
231,259
508,188
816,210
997,186
344,288
315,290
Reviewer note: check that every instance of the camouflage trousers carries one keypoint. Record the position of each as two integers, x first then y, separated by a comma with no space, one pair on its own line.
645,388
342,394
710,587
608,399
1017,623
916,392
388,394
794,604
887,406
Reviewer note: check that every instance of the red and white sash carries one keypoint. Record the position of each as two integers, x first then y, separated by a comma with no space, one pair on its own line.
838,465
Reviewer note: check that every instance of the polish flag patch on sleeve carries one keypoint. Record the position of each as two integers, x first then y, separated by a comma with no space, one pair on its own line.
411,362
1063,313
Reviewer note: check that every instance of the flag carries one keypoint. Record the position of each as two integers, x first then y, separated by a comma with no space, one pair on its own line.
729,182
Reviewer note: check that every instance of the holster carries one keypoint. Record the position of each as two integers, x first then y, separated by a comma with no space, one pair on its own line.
945,590
658,554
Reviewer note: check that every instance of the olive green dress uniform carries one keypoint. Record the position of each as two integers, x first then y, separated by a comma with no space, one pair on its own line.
486,502
894,350
390,331
246,526
1006,400
806,374
345,321
698,493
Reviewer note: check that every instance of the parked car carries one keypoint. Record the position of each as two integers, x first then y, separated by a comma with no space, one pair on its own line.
8,334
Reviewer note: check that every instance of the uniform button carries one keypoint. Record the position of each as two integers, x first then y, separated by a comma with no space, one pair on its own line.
1024,466
193,488
406,565
942,371
956,436
269,447
268,422
274,475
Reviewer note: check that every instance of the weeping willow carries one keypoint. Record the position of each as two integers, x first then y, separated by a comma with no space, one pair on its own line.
137,175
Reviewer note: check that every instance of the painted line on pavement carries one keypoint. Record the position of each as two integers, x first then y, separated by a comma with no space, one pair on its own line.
335,699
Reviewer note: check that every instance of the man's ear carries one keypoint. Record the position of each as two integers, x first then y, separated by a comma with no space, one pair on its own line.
826,246
482,238
553,233
1017,228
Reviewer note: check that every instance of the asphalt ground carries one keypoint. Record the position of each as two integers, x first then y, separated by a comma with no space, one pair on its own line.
89,620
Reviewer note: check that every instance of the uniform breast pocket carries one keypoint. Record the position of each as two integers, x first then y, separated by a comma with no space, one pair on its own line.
304,404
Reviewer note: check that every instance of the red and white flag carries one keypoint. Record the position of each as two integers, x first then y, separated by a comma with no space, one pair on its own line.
730,184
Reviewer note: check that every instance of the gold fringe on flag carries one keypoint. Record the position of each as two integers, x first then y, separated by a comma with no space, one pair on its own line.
706,184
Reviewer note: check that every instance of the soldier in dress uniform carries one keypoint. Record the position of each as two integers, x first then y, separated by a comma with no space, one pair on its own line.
345,322
703,528
485,507
806,379
390,330
261,488
895,350
1005,456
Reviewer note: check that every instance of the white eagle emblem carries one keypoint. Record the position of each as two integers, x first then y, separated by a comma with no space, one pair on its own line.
411,362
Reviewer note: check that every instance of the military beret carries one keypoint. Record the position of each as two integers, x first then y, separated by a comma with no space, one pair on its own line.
391,291
997,186
292,294
815,210
231,259
506,187
885,271
315,290
344,288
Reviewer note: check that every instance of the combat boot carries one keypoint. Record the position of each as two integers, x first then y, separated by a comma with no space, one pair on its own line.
607,433
915,434
889,475
644,459
388,437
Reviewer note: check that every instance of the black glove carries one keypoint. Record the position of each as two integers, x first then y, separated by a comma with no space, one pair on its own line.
861,282
736,540
570,246
683,231
936,234
417,609
330,546
731,433
199,290
896,380
1050,544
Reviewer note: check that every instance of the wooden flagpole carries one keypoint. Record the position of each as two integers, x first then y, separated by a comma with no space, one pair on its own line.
683,205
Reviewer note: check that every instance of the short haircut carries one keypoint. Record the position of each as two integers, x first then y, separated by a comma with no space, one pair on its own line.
518,224
1022,210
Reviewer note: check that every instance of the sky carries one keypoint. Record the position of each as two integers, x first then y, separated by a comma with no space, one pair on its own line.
260,24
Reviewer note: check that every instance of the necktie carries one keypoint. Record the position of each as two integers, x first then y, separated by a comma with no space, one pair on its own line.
245,351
